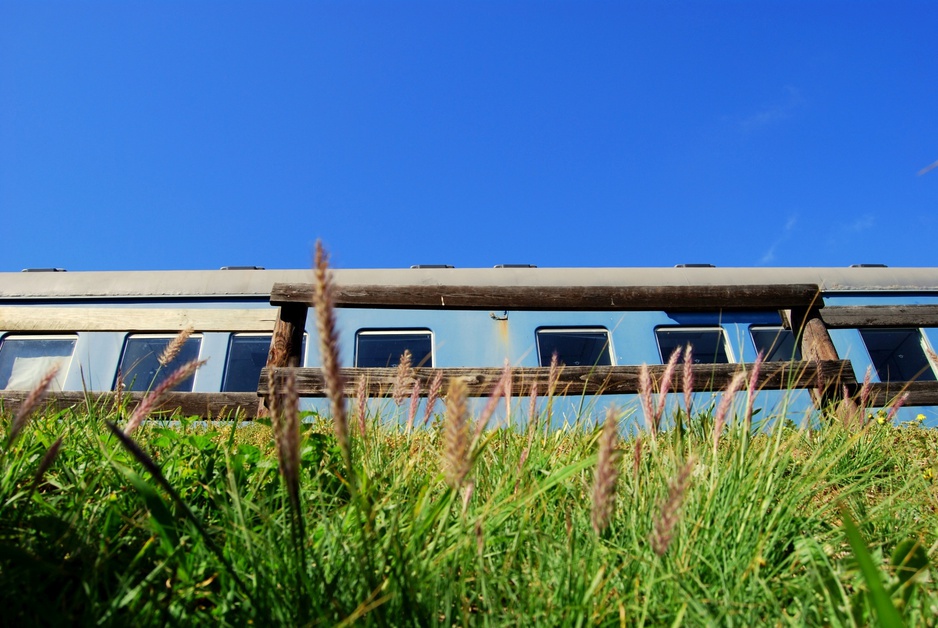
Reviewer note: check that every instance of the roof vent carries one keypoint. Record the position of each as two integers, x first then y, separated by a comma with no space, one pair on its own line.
242,268
694,266
431,266
44,270
868,266
515,266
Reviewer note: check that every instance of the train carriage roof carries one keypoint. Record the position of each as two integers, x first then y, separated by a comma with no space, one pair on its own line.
258,283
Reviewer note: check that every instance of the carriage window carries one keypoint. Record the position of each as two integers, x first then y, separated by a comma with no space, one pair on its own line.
247,355
24,360
708,344
574,347
898,355
776,344
380,348
140,366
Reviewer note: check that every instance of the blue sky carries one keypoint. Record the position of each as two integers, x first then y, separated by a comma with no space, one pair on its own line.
171,135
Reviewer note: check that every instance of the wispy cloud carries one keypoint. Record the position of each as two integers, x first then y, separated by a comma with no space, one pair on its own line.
776,112
864,222
769,256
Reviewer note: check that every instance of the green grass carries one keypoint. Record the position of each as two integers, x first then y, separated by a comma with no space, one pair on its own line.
830,527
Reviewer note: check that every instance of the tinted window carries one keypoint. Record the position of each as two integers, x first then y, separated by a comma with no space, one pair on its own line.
140,366
775,343
247,355
708,345
574,347
24,360
898,354
379,348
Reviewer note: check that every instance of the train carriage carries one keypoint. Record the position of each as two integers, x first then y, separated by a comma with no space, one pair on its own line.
106,328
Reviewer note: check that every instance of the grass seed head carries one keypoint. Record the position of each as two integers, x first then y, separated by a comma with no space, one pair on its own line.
172,349
152,399
456,461
30,403
669,510
607,473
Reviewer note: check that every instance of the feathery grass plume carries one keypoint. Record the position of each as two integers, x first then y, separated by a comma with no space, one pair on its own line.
502,386
172,349
324,304
404,375
47,459
152,399
644,393
688,382
456,436
288,439
897,405
412,410
436,385
553,375
29,404
666,385
669,510
532,407
751,392
607,473
361,395
719,420
273,400
865,390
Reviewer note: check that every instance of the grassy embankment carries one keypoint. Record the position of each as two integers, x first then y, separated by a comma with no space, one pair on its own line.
360,518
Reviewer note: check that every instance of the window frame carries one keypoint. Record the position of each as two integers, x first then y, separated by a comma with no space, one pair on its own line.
58,381
403,331
543,360
795,357
169,368
727,348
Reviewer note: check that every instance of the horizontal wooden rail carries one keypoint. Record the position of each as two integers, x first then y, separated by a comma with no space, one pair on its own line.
605,380
919,394
670,298
206,405
847,316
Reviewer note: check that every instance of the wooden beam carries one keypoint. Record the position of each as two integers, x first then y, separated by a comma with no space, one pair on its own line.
572,380
842,317
206,405
920,394
133,319
669,298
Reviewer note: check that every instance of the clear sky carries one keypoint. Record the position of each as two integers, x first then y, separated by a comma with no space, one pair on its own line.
198,134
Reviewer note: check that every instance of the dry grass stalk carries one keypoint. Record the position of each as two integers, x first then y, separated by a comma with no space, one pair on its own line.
532,407
47,459
666,385
751,392
412,410
436,385
688,379
362,398
644,394
273,401
456,460
553,375
288,439
669,510
404,377
324,304
719,420
172,349
897,405
502,386
152,399
607,473
865,391
30,403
